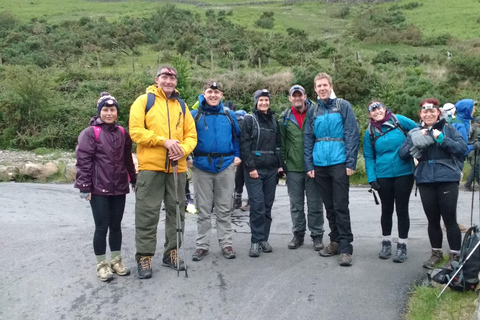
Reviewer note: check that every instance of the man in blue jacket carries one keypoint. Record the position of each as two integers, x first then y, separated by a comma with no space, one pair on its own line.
214,158
331,148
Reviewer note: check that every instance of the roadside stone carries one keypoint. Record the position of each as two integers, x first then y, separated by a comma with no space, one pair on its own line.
8,173
31,170
48,170
70,172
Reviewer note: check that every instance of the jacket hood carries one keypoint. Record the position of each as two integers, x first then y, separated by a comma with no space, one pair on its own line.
328,103
159,92
464,109
202,103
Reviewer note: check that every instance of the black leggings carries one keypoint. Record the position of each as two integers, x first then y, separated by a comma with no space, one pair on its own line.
108,214
239,179
439,200
395,191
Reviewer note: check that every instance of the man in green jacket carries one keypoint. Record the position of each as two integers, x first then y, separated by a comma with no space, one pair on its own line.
298,182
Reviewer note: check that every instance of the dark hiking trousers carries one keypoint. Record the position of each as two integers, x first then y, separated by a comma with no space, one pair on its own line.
299,185
439,200
334,185
395,192
239,179
261,193
107,214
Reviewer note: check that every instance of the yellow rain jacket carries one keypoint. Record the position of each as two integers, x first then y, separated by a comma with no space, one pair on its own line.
165,120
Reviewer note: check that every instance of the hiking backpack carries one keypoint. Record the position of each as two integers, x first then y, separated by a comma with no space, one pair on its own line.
97,130
226,113
151,102
257,129
464,275
374,137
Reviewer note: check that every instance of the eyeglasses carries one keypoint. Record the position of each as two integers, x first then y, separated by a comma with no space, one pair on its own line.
374,106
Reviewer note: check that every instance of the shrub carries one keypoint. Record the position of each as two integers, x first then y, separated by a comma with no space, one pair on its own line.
266,20
385,56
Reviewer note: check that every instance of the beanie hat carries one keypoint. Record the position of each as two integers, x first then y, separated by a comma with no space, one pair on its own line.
106,100
258,94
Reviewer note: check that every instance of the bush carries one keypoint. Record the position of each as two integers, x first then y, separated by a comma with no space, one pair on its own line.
385,56
266,20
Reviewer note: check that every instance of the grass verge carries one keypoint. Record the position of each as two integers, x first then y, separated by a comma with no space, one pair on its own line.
424,305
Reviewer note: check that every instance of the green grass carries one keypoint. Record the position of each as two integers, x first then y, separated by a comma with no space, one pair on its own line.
424,305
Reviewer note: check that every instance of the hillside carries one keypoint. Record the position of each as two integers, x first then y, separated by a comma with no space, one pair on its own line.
56,59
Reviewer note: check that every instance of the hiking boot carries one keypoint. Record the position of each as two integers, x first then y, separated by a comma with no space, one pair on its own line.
330,250
468,187
453,257
297,240
401,254
118,267
144,267
104,272
386,250
170,260
318,243
265,246
345,260
254,250
435,258
228,253
199,254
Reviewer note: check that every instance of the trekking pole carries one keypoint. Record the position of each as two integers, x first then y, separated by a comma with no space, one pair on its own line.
374,196
460,268
473,184
179,222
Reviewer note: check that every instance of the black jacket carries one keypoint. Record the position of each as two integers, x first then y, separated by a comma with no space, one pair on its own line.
260,149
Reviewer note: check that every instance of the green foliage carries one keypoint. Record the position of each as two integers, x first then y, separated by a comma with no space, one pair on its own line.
467,65
342,13
385,56
266,20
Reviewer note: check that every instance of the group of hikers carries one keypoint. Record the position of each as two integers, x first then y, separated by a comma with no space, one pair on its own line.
314,144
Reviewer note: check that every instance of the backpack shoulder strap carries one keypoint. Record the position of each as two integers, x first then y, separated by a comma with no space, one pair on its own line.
286,116
398,125
122,129
339,104
96,130
151,102
226,111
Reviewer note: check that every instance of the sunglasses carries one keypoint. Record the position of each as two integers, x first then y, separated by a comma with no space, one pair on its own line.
374,106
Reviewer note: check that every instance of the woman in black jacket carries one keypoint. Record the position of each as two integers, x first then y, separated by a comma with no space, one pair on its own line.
439,149
260,150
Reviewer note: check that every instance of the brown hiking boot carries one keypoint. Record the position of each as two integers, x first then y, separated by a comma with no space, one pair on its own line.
330,250
462,228
435,258
453,257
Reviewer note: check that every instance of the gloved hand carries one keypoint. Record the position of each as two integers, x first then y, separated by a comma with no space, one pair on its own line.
476,145
415,152
420,140
84,195
375,185
132,184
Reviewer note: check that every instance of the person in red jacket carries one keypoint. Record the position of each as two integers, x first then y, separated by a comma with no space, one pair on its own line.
104,168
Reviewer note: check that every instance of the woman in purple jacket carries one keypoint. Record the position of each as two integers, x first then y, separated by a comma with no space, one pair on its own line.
104,168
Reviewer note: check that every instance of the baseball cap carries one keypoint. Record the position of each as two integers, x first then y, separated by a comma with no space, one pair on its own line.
296,87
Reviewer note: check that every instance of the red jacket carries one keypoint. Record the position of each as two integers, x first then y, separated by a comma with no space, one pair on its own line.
105,164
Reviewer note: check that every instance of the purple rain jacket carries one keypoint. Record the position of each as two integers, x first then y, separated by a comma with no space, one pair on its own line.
104,166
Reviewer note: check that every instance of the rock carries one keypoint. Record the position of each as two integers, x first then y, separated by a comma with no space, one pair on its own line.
70,172
48,170
8,173
32,170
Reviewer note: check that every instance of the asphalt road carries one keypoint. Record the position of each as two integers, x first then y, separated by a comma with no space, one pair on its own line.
47,266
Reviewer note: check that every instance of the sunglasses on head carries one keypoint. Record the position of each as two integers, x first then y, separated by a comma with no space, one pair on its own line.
374,106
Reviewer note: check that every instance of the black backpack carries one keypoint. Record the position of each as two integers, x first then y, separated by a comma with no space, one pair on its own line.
464,275
374,137
226,113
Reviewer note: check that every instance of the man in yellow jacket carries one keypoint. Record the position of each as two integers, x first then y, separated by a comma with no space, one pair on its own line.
164,133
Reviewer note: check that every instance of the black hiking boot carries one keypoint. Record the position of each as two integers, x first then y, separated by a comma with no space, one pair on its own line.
238,200
435,258
254,250
265,246
401,254
144,266
386,250
318,243
297,240
170,261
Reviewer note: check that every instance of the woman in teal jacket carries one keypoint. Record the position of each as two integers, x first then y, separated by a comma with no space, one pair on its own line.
391,176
